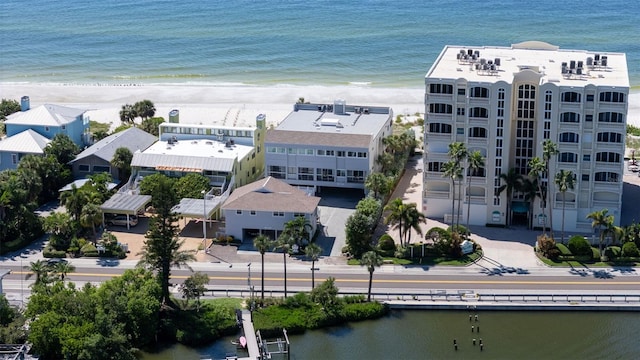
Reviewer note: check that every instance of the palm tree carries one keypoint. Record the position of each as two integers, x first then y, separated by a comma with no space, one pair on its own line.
313,251
127,113
40,269
284,243
145,109
262,243
453,171
63,268
512,181
396,210
530,189
549,149
371,260
475,161
73,200
90,216
602,221
378,183
299,229
122,161
536,168
458,152
566,180
412,220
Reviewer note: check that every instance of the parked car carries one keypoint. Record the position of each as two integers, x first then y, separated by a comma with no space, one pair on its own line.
121,220
53,261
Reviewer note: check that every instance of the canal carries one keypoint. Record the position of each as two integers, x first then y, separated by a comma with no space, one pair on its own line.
430,334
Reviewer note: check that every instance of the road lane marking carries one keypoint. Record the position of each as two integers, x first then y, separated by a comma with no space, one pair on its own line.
380,281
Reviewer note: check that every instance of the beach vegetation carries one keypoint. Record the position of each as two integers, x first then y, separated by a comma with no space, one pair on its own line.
121,127
144,109
8,107
194,288
191,186
12,329
633,130
62,148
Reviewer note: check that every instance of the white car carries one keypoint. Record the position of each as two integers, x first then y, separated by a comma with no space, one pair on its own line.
121,220
634,168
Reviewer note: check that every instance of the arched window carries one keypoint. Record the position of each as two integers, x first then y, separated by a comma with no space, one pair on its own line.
612,117
610,137
440,89
612,96
568,157
439,128
570,96
437,108
609,157
479,92
569,137
607,176
435,166
570,117
478,132
478,112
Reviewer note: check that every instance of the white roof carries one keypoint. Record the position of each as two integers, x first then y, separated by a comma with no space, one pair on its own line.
26,142
539,56
45,115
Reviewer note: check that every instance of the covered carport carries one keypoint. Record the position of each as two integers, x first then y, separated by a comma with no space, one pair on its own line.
200,209
125,204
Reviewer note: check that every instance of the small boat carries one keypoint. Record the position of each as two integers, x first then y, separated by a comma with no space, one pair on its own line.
243,341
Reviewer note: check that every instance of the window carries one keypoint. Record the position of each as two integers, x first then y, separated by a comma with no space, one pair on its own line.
435,166
64,127
238,212
292,151
305,173
612,96
440,108
460,111
479,92
479,172
341,173
253,213
297,214
568,157
607,176
362,154
526,101
586,157
253,155
610,137
324,175
341,153
271,149
98,168
440,128
278,213
609,157
330,153
292,170
277,172
478,132
83,168
590,97
441,89
613,117
570,117
479,112
585,177
351,154
14,159
280,150
570,96
460,131
46,128
320,152
588,118
355,176
461,91
569,137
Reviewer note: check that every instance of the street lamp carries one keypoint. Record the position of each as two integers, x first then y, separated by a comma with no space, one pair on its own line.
204,215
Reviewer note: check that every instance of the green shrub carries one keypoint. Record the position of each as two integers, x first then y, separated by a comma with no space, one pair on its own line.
612,252
89,250
553,253
51,252
578,245
363,311
354,299
386,243
564,250
461,229
630,249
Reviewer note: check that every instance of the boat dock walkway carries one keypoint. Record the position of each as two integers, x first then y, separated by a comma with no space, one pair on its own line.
250,335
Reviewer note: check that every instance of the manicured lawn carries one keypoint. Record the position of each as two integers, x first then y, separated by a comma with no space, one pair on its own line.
429,260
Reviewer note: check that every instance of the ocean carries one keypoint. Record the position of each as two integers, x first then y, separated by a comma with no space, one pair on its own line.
362,42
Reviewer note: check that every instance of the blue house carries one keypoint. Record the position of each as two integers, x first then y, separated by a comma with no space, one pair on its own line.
14,148
49,120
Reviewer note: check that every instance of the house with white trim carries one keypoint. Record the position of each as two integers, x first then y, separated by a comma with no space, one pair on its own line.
14,148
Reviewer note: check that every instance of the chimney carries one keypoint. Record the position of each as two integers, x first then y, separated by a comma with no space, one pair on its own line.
24,103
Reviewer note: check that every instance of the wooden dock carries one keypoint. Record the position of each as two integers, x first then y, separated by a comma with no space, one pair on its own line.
250,335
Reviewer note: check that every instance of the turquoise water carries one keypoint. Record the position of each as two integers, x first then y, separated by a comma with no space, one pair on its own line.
379,43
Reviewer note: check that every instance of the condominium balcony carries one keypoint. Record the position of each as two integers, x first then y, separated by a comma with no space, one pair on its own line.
611,186
477,141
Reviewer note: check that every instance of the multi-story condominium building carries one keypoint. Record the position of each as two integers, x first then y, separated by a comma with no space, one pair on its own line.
505,102
327,145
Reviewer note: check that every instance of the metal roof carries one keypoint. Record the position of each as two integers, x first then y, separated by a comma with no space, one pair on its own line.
80,182
46,115
187,163
26,142
125,203
133,139
195,208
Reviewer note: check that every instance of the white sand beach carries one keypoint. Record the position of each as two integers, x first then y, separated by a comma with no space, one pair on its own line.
209,104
